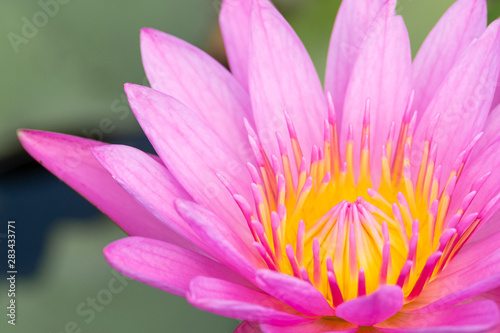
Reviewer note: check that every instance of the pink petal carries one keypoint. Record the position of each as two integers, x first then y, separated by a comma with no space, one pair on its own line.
283,78
485,161
480,316
297,293
195,79
490,133
222,243
459,26
149,182
348,38
329,325
163,265
473,271
192,152
374,308
70,158
234,22
248,327
464,99
496,98
233,300
383,74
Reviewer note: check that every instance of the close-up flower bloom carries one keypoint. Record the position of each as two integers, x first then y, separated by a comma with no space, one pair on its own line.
366,205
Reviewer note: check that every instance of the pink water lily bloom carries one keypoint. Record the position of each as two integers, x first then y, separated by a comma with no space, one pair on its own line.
366,206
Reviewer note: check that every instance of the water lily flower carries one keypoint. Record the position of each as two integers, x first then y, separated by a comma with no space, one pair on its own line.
364,206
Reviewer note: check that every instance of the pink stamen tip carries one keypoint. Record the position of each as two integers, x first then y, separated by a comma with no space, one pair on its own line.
372,193
366,143
344,168
321,154
254,174
386,257
409,106
407,151
307,185
275,221
293,261
490,207
445,238
300,241
302,168
316,261
412,125
281,183
433,153
256,151
305,275
245,207
404,273
472,144
384,152
476,186
434,208
289,123
407,172
262,251
454,220
250,130
259,228
227,184
281,144
432,127
451,186
425,275
361,282
466,222
276,164
385,231
257,194
337,298
282,212
459,160
437,174
415,227
314,154
327,178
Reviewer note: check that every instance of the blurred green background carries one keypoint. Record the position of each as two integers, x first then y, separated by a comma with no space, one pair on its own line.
66,77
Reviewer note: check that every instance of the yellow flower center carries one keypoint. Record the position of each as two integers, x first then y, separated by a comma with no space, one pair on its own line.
326,224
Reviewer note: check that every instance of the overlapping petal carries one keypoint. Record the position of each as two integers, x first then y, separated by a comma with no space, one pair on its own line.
147,180
480,316
382,73
350,33
198,81
234,21
164,266
464,21
297,293
282,79
70,158
463,100
232,300
192,152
